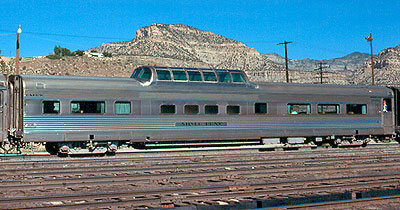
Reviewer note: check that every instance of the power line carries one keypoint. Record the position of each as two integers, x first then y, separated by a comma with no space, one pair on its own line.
70,35
52,40
7,34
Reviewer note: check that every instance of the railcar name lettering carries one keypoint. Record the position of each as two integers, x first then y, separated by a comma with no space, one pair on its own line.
34,94
201,124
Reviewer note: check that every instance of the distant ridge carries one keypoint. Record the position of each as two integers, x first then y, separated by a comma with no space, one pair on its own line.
350,62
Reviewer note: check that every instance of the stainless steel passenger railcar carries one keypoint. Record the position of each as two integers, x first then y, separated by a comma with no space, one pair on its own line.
96,114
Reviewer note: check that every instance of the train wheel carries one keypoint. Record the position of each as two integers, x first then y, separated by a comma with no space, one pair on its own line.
52,148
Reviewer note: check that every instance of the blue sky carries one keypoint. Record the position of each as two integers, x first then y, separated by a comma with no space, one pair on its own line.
319,29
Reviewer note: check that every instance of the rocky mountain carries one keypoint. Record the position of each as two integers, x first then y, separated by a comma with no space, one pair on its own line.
350,62
188,45
185,46
386,69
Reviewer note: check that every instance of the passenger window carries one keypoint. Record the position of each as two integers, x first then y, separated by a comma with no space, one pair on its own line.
328,108
211,109
191,109
232,110
238,77
260,108
299,108
209,76
163,75
387,105
356,108
122,107
50,107
179,75
145,75
194,76
224,77
87,107
135,73
167,109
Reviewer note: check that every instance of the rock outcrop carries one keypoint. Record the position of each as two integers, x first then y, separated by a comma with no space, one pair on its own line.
386,69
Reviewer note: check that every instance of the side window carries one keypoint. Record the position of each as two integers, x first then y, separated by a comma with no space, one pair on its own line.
167,109
87,107
145,75
238,77
232,110
356,108
328,109
224,77
135,73
179,75
209,76
50,107
260,108
299,108
211,109
387,105
191,109
163,75
122,107
194,76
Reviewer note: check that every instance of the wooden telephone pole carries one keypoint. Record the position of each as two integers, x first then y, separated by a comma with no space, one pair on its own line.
17,56
286,59
369,39
321,71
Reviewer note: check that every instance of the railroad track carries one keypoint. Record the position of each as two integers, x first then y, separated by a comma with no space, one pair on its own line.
211,178
385,202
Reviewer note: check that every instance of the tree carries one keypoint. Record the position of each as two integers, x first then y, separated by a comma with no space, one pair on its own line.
57,50
79,53
65,52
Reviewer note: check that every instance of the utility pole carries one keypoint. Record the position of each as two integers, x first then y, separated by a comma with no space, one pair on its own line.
321,70
369,39
17,56
286,59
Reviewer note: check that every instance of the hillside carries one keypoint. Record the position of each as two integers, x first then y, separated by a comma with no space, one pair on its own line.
185,46
386,68
190,45
350,62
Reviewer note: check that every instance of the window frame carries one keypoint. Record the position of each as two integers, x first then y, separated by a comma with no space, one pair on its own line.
244,78
167,113
186,105
308,109
329,113
216,78
233,113
208,105
173,76
115,107
59,107
366,109
89,113
259,113
201,76
388,105
164,80
224,72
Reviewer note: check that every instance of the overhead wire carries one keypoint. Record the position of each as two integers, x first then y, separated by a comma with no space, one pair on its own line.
68,35
53,40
